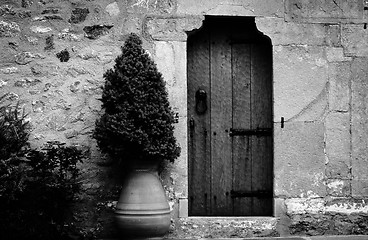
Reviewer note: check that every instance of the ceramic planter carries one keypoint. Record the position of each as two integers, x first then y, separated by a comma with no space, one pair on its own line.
142,209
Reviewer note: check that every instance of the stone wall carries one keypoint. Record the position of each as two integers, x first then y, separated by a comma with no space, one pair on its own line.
54,53
319,85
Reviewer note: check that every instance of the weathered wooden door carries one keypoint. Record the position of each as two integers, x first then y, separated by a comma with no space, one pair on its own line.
230,119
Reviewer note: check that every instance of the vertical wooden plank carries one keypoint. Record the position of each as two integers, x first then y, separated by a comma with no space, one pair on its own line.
241,119
199,126
221,110
262,146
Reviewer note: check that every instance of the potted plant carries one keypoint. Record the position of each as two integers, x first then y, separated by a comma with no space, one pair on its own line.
136,131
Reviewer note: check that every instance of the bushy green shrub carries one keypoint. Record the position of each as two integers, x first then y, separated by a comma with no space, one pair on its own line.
137,123
36,191
36,186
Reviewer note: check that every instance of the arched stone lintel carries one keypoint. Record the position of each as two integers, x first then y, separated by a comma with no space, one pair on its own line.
231,10
173,28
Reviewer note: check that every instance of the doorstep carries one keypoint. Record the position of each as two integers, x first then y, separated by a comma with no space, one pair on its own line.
220,227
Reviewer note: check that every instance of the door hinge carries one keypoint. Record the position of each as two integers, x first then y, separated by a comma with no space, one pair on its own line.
258,194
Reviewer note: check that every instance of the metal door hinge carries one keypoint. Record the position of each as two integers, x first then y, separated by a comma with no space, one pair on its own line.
258,194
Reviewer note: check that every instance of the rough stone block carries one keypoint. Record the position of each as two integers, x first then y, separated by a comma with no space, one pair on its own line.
151,6
2,83
299,159
40,29
333,37
338,187
324,11
113,9
249,7
71,134
66,34
7,10
359,112
346,206
172,28
284,33
183,207
230,10
353,39
38,106
9,29
328,206
78,15
338,144
170,58
337,168
133,24
300,83
339,77
9,70
336,55
27,82
298,206
281,213
359,187
171,62
96,31
279,207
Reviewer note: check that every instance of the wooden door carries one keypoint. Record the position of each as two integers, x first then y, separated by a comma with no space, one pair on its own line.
230,119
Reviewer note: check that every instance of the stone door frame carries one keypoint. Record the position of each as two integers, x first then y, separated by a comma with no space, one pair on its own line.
170,54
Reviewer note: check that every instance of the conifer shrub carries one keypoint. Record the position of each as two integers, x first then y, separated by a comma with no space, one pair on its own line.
137,123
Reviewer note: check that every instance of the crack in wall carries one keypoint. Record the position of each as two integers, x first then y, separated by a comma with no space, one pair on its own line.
334,1
321,97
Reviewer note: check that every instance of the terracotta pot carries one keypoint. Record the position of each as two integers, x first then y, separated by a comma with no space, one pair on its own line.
142,209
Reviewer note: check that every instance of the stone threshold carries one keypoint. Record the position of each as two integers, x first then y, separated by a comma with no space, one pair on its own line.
234,222
202,227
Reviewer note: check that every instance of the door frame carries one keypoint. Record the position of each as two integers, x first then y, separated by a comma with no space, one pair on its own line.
170,54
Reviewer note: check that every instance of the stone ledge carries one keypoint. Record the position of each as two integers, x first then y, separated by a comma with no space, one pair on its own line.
217,227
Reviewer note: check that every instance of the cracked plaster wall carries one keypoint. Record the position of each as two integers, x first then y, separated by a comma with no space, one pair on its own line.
320,57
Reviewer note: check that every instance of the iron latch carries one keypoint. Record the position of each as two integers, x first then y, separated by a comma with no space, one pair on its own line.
247,132
258,194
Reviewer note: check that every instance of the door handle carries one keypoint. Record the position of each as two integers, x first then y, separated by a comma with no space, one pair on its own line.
191,123
201,101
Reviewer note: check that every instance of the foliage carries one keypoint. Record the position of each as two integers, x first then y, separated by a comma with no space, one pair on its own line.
37,186
137,123
36,191
13,130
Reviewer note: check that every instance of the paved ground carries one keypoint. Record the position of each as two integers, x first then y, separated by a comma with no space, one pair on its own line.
339,237
350,237
292,238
